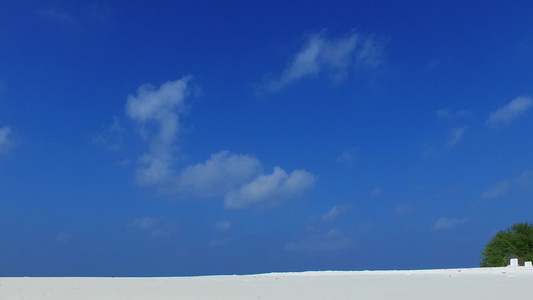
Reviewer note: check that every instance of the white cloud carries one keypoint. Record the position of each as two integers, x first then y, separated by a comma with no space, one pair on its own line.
376,192
510,111
403,210
501,188
332,56
223,225
219,175
63,238
154,227
497,190
111,137
236,177
269,190
53,14
449,115
158,108
219,242
349,157
446,223
455,135
6,139
335,212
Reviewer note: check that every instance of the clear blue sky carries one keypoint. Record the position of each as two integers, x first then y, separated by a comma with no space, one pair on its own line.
151,138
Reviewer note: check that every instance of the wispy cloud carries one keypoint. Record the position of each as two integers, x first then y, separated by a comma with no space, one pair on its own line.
100,13
154,227
505,114
111,137
455,136
335,212
376,192
56,15
223,225
501,188
63,238
451,115
334,57
349,157
6,139
447,223
403,210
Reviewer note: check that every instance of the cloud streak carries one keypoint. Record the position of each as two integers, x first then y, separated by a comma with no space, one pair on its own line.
505,114
55,15
335,212
154,227
446,223
455,136
501,188
6,139
334,57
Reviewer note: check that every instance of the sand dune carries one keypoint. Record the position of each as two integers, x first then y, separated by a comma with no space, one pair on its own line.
486,283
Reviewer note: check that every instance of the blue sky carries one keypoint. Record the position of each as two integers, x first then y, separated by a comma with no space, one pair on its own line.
209,137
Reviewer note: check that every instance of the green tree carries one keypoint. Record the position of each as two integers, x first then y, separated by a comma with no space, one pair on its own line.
515,242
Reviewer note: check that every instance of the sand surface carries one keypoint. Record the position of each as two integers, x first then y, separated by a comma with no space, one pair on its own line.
487,283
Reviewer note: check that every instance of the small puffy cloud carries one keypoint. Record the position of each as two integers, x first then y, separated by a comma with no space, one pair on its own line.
156,112
220,174
219,242
63,238
270,190
504,115
6,139
335,212
376,192
349,157
403,210
335,57
446,223
223,225
154,227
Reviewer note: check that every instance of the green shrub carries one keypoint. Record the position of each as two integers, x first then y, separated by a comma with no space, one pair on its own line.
515,242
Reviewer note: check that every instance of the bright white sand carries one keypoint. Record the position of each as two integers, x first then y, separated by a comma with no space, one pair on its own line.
487,283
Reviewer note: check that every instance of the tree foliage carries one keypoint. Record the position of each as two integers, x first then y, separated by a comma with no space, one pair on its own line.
515,242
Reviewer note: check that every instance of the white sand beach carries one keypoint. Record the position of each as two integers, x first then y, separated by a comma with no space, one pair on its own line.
475,283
